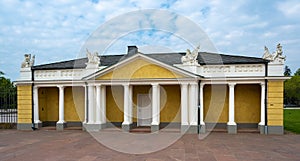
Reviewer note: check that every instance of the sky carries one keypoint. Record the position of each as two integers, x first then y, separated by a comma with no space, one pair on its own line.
59,30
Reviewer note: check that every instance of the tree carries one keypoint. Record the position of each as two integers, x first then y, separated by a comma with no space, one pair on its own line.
8,93
292,90
297,73
287,71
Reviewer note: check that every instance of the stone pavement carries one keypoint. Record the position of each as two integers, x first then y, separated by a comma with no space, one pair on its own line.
78,145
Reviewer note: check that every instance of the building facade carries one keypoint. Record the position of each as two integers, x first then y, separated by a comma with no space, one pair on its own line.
192,91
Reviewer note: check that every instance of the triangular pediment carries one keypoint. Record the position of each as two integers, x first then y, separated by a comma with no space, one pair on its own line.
140,66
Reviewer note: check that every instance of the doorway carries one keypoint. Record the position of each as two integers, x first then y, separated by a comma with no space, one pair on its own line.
144,110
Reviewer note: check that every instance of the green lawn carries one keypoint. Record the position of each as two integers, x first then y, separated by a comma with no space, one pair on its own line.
292,120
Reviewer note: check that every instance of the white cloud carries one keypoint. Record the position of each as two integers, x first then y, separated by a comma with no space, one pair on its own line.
289,8
56,30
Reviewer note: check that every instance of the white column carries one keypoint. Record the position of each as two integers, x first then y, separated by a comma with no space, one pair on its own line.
61,117
130,105
201,105
103,105
155,105
98,104
85,105
158,104
231,104
91,112
36,105
193,104
262,104
184,104
126,104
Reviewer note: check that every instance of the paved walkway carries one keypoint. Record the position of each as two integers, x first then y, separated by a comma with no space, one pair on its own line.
78,145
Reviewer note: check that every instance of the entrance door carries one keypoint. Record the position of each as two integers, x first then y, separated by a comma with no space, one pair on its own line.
144,111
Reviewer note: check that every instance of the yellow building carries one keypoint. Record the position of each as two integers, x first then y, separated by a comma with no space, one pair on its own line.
189,91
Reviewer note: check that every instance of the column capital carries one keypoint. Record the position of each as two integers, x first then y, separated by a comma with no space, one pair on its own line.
184,85
154,84
90,85
194,84
36,87
125,84
262,84
202,85
60,86
231,84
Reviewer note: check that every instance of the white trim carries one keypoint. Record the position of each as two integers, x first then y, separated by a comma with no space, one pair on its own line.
278,78
135,57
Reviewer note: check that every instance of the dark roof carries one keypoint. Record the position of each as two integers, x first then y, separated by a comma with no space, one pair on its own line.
204,58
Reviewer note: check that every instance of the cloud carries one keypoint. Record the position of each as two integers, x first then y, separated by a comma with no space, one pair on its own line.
290,9
56,30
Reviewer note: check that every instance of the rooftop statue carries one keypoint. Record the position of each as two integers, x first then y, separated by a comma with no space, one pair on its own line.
190,58
276,56
28,61
92,58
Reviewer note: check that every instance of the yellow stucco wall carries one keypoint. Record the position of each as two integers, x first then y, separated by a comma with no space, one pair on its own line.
24,93
114,103
275,103
170,103
247,103
139,69
73,103
48,104
216,100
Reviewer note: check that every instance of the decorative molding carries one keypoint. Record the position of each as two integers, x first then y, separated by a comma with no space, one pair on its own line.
65,74
238,70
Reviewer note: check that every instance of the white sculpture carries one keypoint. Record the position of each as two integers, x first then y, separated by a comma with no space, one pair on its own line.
191,57
28,61
92,58
276,56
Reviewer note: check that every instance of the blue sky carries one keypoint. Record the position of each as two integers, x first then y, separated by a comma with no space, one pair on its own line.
57,30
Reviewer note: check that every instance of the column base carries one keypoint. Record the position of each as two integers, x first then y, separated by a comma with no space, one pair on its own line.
231,129
184,128
38,125
278,130
202,129
127,127
154,128
193,129
60,126
93,127
261,129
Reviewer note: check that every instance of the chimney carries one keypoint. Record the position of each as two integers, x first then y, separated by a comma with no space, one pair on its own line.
132,50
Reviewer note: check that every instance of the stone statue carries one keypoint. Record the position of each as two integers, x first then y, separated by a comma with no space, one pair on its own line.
92,58
191,57
267,54
276,56
28,61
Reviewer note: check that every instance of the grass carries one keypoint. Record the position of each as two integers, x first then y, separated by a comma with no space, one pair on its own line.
292,120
